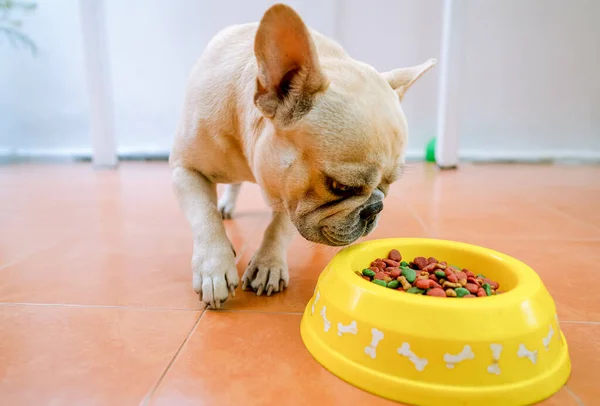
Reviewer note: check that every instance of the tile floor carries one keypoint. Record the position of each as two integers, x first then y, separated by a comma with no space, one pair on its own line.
96,305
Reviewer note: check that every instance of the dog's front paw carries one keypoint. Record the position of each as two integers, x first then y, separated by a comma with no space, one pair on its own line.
214,276
266,273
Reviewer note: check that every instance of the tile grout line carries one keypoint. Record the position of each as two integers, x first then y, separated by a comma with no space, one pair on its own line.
574,396
148,397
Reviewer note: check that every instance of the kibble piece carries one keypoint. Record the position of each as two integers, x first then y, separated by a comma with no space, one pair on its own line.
440,274
395,273
472,288
450,293
368,272
461,292
395,255
404,264
420,262
436,292
391,262
488,289
405,284
393,284
379,282
409,274
415,290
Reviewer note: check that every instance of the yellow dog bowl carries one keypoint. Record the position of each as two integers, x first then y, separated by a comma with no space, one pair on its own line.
499,350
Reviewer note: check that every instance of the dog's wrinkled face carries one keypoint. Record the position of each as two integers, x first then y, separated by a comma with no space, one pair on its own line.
339,160
336,134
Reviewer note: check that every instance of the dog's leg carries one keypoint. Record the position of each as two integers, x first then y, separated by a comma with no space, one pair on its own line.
227,201
213,264
268,271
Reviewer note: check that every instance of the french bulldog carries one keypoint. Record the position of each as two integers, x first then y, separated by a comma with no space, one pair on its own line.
279,104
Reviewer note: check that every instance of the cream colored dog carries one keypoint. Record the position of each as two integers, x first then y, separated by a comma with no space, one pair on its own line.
283,106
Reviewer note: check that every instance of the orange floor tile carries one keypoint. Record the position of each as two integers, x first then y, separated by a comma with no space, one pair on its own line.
96,304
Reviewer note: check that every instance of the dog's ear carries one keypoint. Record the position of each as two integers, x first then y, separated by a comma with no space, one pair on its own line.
401,79
289,74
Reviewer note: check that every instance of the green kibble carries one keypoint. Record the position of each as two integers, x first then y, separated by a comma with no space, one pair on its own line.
480,275
488,289
404,264
460,292
409,274
379,282
415,290
456,267
440,274
368,272
393,284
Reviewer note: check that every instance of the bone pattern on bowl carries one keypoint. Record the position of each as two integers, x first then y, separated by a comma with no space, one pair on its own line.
420,363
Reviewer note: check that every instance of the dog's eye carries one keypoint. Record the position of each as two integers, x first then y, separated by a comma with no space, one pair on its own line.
341,189
338,187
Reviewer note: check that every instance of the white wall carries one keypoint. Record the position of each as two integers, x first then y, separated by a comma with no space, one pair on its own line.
531,76
43,101
528,69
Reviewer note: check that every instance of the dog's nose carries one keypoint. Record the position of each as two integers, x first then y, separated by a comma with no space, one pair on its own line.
369,212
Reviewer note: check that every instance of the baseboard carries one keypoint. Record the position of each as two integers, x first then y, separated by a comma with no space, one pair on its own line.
78,154
516,156
413,154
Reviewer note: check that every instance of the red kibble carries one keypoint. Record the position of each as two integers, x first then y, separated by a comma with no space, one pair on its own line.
420,262
433,277
472,280
433,284
389,269
432,260
452,278
422,283
469,295
481,293
395,273
472,288
461,275
469,273
392,263
436,292
395,255
374,269
380,275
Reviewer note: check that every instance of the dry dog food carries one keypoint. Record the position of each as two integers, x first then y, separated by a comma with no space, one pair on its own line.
427,276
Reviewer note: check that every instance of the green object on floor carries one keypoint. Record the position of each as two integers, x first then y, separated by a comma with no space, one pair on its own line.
430,151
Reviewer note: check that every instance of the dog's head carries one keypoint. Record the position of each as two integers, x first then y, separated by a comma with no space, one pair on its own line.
334,132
